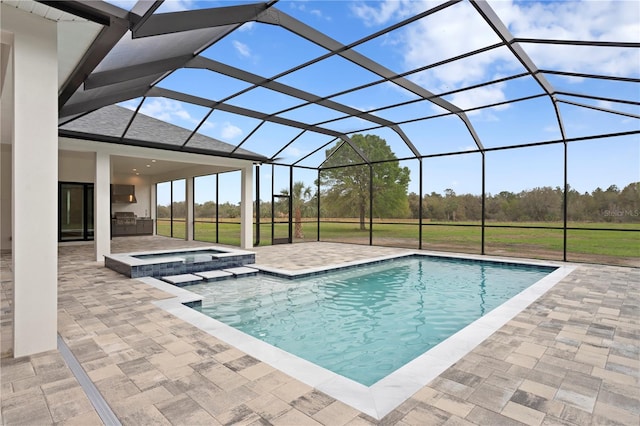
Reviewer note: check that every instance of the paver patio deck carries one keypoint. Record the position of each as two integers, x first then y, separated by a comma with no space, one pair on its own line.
571,358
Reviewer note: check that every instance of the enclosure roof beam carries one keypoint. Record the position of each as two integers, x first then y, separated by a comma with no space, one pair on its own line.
280,18
116,25
508,39
133,117
119,75
258,81
313,152
246,138
421,100
584,75
598,98
349,142
593,43
99,102
489,15
406,140
287,145
596,108
142,11
208,103
174,22
356,148
277,17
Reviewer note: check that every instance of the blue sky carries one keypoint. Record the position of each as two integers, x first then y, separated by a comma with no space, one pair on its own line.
268,50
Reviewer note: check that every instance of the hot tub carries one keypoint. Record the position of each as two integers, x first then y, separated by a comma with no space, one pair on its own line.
163,263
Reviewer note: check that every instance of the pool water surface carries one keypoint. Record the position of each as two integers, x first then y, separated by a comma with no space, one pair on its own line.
187,256
364,323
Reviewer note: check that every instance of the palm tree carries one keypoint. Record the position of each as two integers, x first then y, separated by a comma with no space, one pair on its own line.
301,194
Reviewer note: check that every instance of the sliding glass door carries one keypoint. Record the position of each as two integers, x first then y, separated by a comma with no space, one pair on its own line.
75,213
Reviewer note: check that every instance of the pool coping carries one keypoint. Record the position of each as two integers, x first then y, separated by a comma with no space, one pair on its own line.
385,395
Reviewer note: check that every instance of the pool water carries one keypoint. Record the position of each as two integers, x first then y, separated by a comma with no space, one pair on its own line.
187,256
366,322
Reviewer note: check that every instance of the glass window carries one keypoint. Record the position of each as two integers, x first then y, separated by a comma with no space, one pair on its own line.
163,209
604,201
205,208
229,208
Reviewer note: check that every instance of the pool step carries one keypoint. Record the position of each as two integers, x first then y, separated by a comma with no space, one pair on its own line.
182,279
216,275
242,271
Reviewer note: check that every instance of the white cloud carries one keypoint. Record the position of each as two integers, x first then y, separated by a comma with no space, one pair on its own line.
175,6
247,26
167,110
242,48
302,6
293,152
486,95
131,104
460,29
453,31
318,14
605,105
385,11
229,131
604,20
207,125
167,6
124,4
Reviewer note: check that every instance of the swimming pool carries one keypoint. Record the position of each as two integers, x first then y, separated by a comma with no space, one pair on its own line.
386,394
364,323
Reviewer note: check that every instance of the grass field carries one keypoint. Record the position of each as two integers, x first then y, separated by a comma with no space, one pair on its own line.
583,243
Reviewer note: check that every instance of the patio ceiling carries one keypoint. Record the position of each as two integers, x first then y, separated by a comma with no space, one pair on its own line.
283,81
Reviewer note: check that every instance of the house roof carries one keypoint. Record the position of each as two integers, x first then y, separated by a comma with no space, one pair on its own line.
116,124
282,81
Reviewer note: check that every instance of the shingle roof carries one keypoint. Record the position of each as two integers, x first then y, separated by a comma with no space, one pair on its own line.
109,124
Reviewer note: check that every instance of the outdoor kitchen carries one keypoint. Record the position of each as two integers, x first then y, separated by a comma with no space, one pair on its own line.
125,222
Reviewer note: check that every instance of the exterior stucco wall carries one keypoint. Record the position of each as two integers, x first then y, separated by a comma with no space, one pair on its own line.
34,168
76,167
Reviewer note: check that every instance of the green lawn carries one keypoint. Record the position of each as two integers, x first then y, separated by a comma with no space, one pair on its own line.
582,244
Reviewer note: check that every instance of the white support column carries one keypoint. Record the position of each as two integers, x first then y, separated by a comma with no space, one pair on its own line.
189,201
102,206
246,207
35,181
153,205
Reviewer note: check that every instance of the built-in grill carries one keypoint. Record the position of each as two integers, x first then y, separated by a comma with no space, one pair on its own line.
125,218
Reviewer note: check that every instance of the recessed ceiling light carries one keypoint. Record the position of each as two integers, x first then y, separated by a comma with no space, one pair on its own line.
137,174
153,161
148,165
135,170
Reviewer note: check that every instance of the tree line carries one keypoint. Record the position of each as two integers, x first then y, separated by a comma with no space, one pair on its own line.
347,183
544,204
